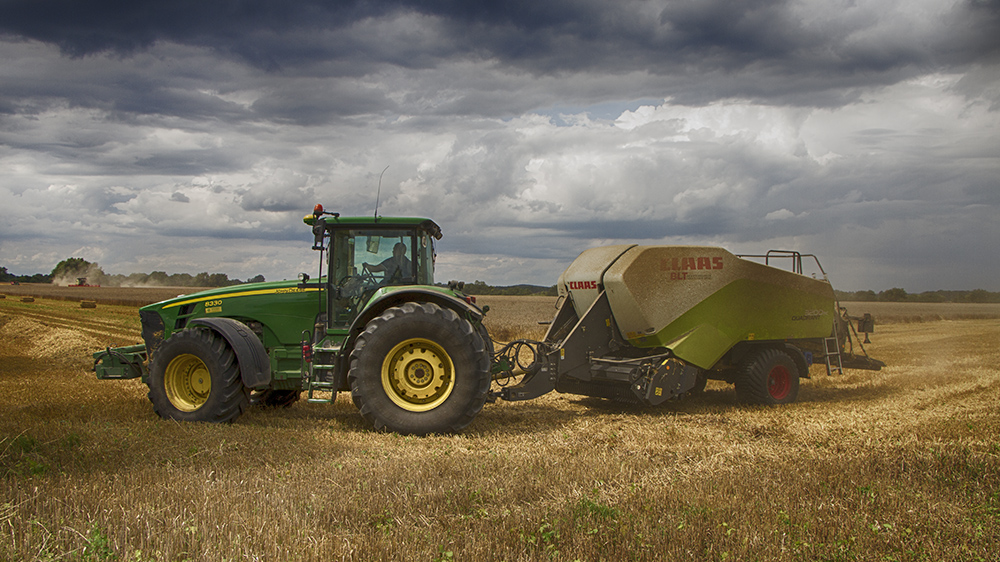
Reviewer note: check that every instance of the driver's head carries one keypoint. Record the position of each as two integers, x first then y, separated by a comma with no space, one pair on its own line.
399,249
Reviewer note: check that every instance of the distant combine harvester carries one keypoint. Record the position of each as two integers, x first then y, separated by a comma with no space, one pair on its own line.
82,282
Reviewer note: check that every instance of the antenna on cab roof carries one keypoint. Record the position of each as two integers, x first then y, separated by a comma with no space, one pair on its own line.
379,192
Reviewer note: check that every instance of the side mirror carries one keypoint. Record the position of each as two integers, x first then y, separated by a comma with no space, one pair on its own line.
372,244
319,232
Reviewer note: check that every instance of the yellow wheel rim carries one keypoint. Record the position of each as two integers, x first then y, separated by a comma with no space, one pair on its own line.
418,375
187,382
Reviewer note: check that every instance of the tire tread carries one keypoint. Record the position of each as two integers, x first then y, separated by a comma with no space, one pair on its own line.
752,382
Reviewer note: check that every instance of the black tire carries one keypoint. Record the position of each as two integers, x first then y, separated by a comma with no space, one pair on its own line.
419,369
274,398
487,340
194,376
770,377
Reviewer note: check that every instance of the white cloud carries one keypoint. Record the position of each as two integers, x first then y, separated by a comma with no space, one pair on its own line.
778,215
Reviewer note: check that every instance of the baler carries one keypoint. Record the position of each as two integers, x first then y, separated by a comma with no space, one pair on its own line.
636,323
651,323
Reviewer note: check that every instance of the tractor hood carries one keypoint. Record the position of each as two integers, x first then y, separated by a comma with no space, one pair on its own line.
275,310
233,291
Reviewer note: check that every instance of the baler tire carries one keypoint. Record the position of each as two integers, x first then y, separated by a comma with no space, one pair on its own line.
274,398
418,369
194,376
769,377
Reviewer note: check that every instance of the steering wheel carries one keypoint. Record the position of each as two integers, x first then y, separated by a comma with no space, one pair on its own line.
368,275
354,285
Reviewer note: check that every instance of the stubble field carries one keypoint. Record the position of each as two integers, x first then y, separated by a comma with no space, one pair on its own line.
902,464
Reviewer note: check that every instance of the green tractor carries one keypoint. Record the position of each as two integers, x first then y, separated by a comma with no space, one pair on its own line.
641,324
414,356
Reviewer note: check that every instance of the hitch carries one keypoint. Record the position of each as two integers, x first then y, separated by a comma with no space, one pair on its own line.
537,377
121,362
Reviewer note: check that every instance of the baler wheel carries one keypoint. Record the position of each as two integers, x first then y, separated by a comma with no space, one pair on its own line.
194,376
418,369
768,377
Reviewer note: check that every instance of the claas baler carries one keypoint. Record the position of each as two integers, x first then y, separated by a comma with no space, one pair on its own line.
649,323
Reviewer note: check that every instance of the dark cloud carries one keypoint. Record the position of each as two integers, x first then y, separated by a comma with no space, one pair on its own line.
758,49
82,28
309,102
184,162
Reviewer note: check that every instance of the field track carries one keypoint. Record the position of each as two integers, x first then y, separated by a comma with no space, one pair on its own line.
901,464
107,323
95,327
125,296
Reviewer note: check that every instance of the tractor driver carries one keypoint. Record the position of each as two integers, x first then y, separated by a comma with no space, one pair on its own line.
396,268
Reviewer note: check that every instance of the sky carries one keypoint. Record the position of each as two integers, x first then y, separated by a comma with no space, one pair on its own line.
191,136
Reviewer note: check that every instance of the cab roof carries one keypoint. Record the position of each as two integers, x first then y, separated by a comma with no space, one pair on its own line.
337,222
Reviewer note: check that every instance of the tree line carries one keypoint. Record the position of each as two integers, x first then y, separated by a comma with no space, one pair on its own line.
481,288
70,270
897,294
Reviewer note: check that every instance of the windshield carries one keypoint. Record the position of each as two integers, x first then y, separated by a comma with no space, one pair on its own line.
363,261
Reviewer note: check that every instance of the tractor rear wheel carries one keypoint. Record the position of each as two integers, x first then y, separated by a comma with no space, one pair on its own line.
194,376
770,376
418,369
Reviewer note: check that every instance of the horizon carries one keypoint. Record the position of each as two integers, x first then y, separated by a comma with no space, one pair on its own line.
513,285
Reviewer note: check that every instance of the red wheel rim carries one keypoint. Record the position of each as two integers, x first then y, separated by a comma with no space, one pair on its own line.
779,382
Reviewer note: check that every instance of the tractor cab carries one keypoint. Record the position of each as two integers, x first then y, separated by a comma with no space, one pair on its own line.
371,256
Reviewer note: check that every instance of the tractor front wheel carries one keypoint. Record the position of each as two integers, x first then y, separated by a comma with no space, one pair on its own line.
770,376
194,376
418,369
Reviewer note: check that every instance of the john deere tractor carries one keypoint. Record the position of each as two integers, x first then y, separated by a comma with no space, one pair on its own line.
414,356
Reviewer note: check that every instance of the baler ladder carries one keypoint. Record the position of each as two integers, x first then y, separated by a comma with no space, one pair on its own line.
833,341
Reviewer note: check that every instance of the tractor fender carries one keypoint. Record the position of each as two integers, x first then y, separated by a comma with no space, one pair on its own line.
255,366
396,298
